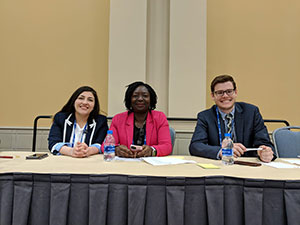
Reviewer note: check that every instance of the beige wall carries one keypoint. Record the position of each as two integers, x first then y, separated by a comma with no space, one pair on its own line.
162,42
47,50
258,43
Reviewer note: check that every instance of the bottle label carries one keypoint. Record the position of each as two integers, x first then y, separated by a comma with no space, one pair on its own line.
227,152
109,149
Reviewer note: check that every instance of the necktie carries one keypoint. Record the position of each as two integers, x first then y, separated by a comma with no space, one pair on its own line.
229,118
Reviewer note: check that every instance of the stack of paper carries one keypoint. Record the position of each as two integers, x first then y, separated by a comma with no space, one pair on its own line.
294,161
281,165
159,161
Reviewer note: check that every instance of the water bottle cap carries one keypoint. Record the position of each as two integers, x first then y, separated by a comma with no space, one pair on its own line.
227,135
109,132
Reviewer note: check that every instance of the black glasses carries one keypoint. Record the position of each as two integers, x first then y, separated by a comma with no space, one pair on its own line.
220,93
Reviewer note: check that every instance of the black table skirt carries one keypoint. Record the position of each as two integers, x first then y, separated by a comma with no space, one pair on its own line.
60,199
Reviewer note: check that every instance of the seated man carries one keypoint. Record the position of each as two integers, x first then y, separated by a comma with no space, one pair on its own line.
242,120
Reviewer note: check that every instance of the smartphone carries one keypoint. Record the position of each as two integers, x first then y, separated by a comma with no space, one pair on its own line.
136,148
37,156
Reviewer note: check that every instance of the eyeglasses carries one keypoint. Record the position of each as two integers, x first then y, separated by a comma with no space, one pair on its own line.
220,93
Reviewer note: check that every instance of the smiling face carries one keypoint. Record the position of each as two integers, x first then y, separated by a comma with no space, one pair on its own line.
140,100
84,103
225,101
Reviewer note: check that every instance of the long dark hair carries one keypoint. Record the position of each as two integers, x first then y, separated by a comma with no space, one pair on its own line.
130,89
69,106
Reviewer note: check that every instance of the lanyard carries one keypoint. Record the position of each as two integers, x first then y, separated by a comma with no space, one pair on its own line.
145,138
219,126
83,132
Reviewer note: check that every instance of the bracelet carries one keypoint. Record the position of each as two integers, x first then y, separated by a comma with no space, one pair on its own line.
154,152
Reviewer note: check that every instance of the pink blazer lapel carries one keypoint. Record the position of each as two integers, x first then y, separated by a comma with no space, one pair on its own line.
149,128
129,128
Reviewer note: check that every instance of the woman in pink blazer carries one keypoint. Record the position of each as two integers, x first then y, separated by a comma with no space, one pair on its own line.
141,126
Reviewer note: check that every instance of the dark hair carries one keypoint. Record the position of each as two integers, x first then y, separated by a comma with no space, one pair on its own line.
221,79
69,106
131,88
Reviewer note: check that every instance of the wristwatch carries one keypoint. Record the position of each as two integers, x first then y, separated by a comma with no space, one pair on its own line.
154,152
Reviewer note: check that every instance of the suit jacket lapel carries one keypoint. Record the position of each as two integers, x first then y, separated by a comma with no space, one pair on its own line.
69,123
91,125
129,128
239,124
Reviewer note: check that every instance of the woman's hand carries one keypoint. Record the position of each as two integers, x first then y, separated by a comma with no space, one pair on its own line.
146,152
123,151
79,150
88,151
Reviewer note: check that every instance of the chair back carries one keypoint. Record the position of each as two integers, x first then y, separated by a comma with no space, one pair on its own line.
173,135
287,142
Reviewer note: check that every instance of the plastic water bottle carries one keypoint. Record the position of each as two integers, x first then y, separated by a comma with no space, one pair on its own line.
109,146
227,151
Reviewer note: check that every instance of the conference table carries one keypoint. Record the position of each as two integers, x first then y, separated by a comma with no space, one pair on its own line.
63,190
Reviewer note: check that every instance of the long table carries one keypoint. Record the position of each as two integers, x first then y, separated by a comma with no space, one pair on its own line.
64,190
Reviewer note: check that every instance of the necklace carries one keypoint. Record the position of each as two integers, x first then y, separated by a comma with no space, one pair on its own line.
139,123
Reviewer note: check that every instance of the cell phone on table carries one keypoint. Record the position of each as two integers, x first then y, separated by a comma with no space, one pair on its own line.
136,148
37,156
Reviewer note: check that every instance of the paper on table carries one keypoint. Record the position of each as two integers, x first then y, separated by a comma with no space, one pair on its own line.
159,161
294,161
281,165
208,166
128,159
176,156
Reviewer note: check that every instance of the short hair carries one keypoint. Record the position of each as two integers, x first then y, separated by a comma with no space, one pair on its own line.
221,79
69,106
131,88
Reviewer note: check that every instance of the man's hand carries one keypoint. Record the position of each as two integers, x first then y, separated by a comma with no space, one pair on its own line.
238,150
265,155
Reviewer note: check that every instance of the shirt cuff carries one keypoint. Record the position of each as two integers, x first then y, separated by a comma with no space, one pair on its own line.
98,146
56,148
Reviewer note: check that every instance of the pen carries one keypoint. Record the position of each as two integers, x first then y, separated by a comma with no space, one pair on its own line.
253,149
6,157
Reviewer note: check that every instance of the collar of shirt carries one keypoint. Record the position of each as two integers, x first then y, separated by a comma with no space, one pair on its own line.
224,114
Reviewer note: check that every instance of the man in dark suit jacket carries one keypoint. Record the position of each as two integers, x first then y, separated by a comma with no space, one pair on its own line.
248,130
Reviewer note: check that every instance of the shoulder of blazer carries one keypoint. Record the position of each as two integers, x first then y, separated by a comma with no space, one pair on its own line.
62,116
101,119
208,113
157,114
121,116
245,107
